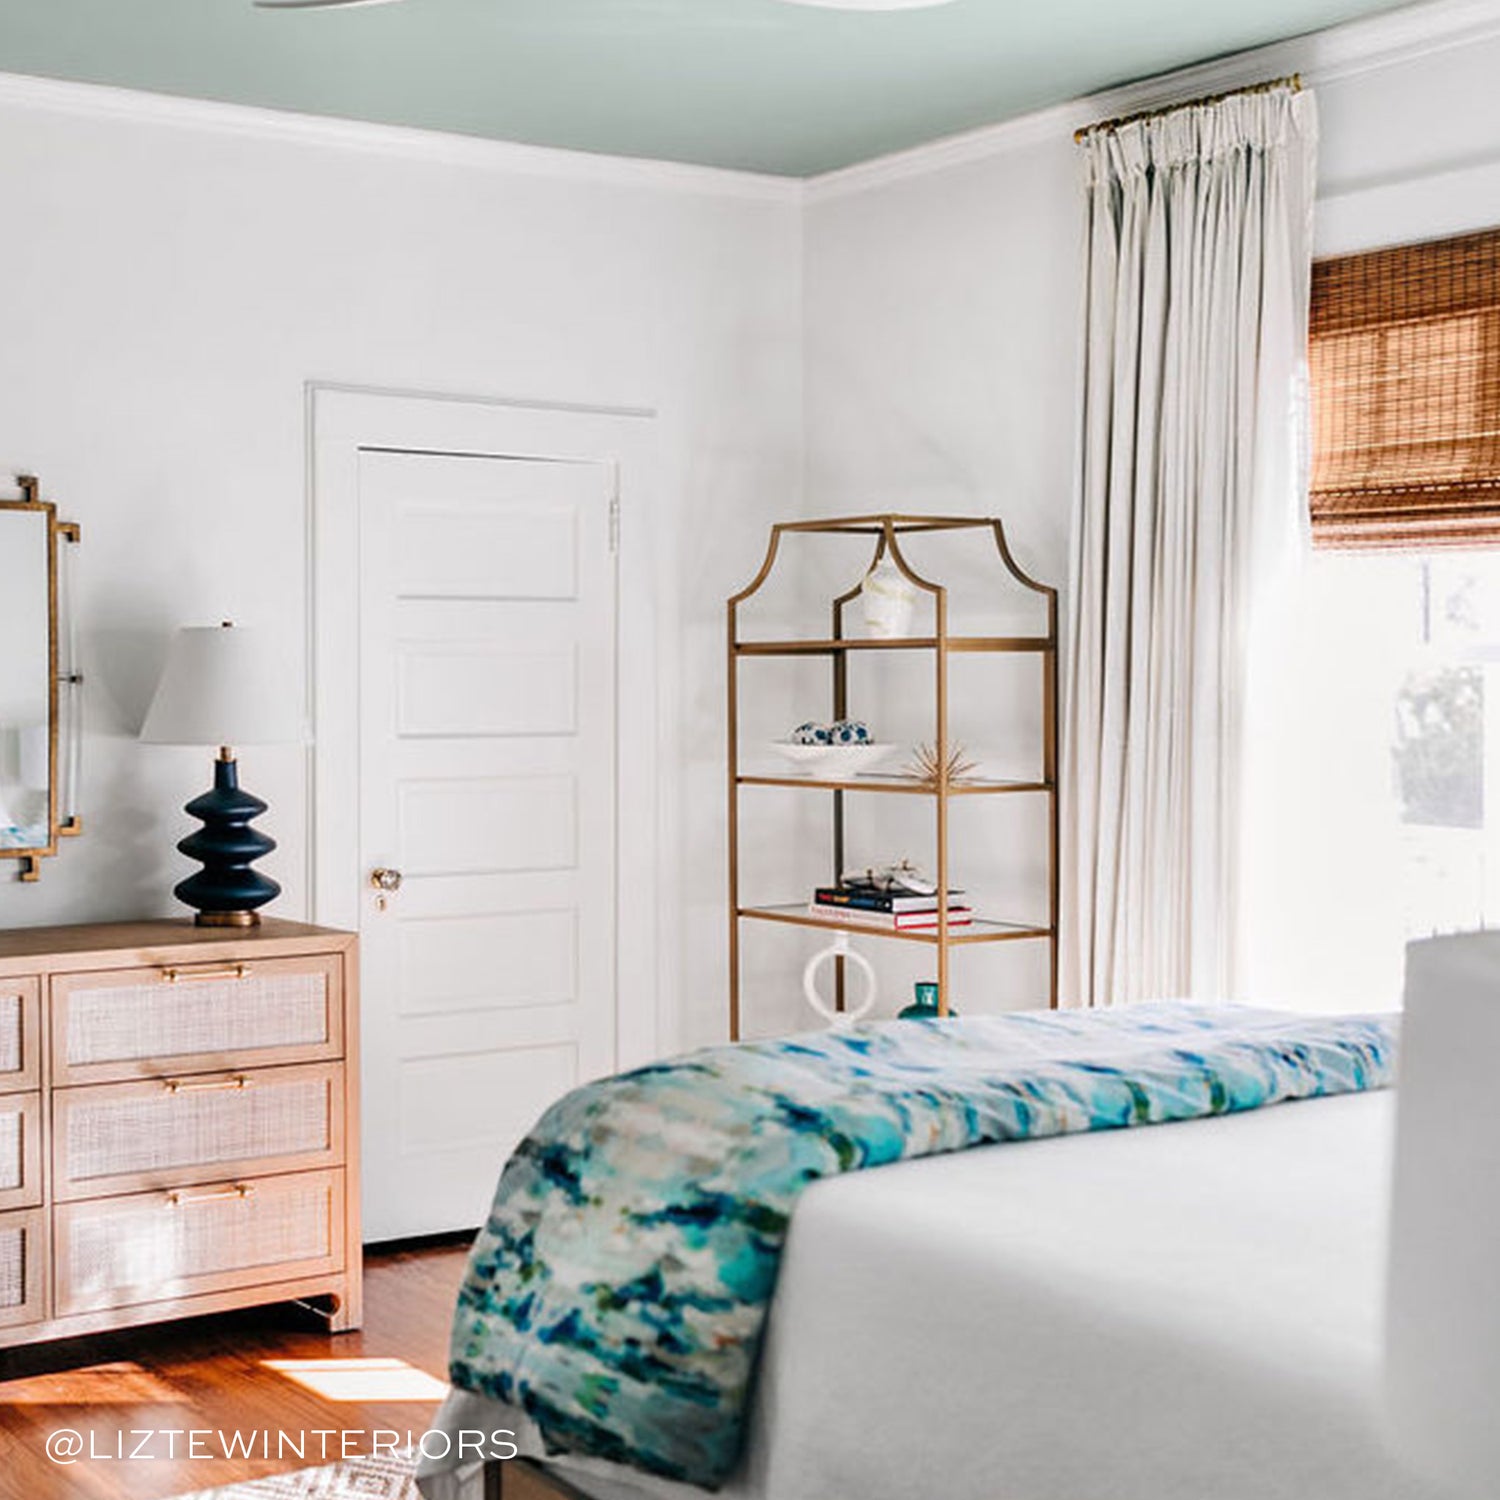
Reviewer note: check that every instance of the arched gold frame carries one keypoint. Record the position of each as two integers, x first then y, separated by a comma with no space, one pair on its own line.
60,674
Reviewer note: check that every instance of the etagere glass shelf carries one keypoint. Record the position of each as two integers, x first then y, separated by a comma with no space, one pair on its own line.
886,532
912,786
980,930
898,643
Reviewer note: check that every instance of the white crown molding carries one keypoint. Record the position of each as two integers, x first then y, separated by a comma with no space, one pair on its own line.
64,96
1344,51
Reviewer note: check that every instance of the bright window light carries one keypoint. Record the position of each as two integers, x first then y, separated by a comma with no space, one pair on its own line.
1374,788
360,1379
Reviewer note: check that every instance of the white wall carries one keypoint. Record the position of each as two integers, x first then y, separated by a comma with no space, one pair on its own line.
168,288
175,275
942,334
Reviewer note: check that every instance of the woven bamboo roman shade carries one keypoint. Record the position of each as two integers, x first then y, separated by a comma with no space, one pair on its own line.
1405,356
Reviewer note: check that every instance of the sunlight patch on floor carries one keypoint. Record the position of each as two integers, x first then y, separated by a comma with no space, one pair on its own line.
121,1384
360,1379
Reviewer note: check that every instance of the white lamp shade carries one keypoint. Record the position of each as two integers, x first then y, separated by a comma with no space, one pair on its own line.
224,685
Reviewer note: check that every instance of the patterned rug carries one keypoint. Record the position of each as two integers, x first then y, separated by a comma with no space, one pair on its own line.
382,1478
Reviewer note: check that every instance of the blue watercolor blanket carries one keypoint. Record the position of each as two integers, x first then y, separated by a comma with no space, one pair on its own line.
618,1292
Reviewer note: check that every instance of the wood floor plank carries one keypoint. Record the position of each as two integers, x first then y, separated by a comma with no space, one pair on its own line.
210,1375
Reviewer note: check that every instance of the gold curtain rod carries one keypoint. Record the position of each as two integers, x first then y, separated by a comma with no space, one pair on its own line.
1292,81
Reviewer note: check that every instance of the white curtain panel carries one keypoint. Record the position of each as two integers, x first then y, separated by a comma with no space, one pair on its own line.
1199,252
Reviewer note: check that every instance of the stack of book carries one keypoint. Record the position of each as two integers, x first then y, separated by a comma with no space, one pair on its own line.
866,906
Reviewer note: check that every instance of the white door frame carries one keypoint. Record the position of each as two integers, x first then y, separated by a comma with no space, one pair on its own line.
342,420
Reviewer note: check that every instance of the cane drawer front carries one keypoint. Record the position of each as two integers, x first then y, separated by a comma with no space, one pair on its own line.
20,1150
172,1020
23,1260
19,1011
152,1247
121,1137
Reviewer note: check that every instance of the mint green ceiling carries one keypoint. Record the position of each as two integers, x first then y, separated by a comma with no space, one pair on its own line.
735,83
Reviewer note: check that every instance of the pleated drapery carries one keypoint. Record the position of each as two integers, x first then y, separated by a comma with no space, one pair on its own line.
1199,249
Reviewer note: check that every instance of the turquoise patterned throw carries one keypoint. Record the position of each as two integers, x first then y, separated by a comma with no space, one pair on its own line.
618,1292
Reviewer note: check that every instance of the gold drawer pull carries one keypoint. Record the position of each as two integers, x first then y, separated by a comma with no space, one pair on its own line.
229,971
240,1190
204,1085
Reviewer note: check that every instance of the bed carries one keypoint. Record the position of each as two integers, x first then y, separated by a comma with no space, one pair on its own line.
1193,1310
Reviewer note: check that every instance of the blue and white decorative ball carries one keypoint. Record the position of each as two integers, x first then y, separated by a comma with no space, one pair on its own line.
812,734
844,732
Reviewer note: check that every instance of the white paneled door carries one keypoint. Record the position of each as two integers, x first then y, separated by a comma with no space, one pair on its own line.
487,813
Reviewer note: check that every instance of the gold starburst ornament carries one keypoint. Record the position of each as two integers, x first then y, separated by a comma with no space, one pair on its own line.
926,765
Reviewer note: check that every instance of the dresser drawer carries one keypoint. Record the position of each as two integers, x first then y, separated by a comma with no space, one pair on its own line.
122,1137
23,1260
194,1018
19,1011
20,1150
150,1247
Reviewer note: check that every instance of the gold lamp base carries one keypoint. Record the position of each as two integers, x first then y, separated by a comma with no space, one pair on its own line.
227,919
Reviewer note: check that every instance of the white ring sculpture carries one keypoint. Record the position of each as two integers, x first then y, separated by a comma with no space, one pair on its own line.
839,949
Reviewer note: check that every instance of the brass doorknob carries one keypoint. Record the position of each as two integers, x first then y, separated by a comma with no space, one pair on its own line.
387,881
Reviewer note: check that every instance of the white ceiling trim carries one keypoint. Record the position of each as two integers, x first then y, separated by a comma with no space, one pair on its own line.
1321,57
64,96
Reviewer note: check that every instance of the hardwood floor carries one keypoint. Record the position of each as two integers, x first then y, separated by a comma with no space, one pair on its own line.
210,1375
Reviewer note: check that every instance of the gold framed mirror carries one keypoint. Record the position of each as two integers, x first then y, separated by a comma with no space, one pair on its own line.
39,683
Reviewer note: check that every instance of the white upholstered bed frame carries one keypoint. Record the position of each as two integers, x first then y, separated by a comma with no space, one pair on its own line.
1253,1308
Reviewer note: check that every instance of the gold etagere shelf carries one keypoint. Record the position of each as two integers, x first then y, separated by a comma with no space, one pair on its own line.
942,788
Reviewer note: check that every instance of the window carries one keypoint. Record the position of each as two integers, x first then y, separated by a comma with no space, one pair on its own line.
1405,360
1374,791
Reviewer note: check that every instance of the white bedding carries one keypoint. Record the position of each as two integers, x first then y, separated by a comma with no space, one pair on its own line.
1182,1312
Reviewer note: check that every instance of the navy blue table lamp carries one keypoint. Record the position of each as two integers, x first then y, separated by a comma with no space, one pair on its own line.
225,685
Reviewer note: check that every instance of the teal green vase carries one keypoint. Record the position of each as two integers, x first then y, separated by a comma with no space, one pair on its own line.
925,1006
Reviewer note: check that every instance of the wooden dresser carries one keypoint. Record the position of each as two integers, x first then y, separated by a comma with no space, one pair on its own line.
179,1123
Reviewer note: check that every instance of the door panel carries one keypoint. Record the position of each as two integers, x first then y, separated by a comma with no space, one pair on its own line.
487,780
468,825
488,691
462,548
444,1099
507,958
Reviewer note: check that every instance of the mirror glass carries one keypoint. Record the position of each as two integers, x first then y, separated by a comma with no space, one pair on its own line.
25,679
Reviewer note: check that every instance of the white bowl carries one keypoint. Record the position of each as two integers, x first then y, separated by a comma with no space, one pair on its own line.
836,762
